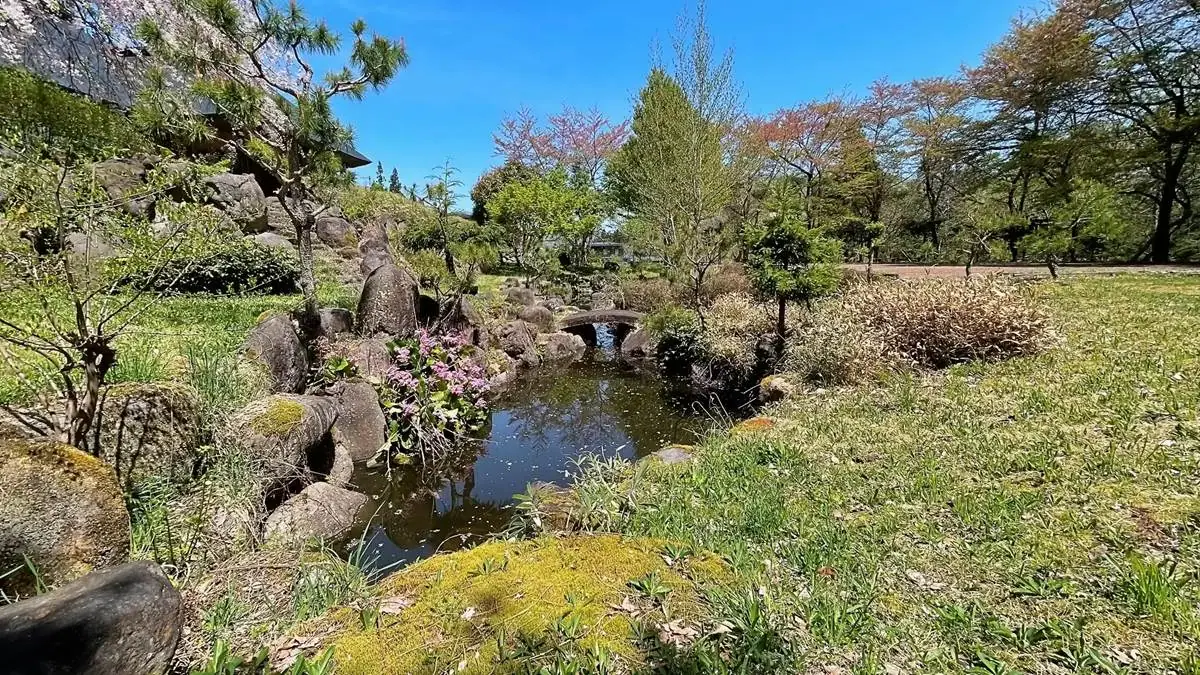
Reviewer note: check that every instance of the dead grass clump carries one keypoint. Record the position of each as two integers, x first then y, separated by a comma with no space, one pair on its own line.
645,295
734,324
728,279
940,322
833,346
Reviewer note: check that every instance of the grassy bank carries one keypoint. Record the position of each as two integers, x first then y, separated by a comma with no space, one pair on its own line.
1028,516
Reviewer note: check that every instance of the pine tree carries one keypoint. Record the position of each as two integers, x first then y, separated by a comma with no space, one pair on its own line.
377,184
394,185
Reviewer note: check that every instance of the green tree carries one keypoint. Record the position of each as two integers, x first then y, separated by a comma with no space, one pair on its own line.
378,184
791,263
675,173
440,195
283,119
492,181
394,185
527,211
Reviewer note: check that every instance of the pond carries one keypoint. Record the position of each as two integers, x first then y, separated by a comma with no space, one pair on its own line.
539,425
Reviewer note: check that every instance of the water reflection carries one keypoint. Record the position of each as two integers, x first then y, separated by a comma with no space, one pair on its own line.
538,427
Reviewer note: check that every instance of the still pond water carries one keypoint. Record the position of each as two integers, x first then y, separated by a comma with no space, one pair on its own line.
539,425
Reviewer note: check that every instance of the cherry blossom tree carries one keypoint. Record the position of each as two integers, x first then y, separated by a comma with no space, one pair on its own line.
574,139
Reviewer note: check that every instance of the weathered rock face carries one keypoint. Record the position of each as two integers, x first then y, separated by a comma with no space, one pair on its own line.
561,347
373,247
338,234
123,180
273,240
336,321
775,388
369,356
637,344
516,338
122,621
241,198
320,511
287,436
62,508
388,304
276,346
150,430
462,317
361,427
91,246
519,296
278,221
673,455
539,316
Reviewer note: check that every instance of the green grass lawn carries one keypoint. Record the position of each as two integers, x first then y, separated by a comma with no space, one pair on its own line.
1039,515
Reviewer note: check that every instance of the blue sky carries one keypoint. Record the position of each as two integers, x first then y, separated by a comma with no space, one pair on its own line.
473,61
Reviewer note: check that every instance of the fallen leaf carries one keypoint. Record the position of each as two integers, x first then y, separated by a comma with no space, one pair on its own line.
395,605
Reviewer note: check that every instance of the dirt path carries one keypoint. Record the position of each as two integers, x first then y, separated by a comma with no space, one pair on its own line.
911,271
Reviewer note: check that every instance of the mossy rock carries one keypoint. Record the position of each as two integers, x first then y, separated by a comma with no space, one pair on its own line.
279,417
753,426
448,613
61,508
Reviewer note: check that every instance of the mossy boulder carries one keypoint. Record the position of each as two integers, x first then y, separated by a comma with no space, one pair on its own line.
451,612
150,430
61,508
275,345
286,436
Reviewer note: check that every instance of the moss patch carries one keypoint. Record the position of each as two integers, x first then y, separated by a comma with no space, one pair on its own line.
279,418
754,425
450,612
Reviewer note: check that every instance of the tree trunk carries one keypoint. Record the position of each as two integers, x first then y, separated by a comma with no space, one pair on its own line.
98,359
781,328
310,315
1160,245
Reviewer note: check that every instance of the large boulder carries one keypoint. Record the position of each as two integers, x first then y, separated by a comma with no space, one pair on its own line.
273,240
336,321
361,428
124,181
462,317
61,508
88,245
275,345
287,437
373,247
519,296
561,347
338,234
388,304
370,356
515,338
241,198
539,316
320,511
122,621
278,221
637,344
150,430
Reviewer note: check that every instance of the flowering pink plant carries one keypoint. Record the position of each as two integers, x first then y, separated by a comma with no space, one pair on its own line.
433,392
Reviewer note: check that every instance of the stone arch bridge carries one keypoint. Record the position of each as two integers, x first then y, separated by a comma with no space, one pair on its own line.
621,321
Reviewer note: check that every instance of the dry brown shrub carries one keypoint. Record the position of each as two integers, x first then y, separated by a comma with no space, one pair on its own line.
733,325
940,322
645,295
833,346
728,279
